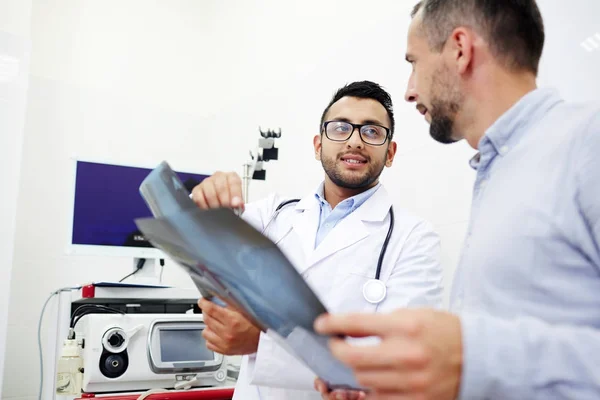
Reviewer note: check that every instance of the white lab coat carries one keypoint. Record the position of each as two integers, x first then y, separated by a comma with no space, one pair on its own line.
336,271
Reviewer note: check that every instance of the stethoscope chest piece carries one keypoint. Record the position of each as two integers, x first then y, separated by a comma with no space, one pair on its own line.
374,291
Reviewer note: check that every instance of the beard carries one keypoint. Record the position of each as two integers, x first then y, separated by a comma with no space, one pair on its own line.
444,107
442,122
351,179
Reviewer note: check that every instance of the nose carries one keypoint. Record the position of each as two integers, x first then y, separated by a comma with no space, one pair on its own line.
411,93
354,140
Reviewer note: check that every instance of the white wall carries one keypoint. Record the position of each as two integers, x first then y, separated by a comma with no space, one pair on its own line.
190,82
15,17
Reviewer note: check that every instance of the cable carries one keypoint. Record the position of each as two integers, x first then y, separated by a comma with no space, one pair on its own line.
150,392
82,310
139,266
86,309
39,334
385,243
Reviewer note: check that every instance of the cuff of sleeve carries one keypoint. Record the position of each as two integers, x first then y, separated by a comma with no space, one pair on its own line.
495,359
473,379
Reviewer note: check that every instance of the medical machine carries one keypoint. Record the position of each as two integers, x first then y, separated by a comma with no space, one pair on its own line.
264,152
105,202
136,352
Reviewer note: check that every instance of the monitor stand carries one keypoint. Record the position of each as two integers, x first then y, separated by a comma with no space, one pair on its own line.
148,274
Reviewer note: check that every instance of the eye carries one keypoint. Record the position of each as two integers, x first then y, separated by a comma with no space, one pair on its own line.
341,127
372,131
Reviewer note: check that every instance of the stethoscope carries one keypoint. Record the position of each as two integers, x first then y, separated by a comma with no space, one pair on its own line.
374,290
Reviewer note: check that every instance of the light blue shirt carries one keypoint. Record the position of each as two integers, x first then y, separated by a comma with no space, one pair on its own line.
329,218
528,283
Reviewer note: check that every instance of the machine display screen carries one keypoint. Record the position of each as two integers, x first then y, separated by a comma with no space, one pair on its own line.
179,345
107,200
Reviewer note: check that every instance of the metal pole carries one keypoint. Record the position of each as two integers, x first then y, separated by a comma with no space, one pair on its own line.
57,338
246,182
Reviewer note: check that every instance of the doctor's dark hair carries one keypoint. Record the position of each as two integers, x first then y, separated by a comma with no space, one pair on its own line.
514,29
363,90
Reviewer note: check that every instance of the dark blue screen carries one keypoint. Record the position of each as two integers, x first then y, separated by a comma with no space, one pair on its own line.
107,200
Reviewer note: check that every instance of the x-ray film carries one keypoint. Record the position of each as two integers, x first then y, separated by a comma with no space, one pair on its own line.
228,258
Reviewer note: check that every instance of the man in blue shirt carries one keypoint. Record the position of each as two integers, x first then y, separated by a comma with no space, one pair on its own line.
525,320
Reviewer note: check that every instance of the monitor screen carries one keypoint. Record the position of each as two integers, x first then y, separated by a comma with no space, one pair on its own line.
107,201
180,345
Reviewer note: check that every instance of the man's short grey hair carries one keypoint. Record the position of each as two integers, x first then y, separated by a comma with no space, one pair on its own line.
514,29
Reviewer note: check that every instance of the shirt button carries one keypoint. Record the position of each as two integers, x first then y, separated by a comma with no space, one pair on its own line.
504,149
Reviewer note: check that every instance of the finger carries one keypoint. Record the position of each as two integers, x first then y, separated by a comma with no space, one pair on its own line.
389,380
213,341
322,388
206,306
356,395
216,349
202,303
228,314
242,318
362,325
210,191
215,326
223,321
235,190
339,394
220,350
398,354
390,396
214,311
221,186
319,386
198,197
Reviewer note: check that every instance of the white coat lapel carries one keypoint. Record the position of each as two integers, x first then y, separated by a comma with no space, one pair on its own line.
304,224
351,229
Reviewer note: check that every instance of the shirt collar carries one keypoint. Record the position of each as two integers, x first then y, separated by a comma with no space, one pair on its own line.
475,160
509,128
351,202
320,193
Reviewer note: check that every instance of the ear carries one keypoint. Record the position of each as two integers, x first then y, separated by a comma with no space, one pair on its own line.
317,143
391,152
462,42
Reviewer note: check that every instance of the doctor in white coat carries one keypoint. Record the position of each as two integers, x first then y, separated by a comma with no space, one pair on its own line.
334,237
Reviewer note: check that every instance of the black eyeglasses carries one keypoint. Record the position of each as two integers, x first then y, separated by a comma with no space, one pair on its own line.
340,131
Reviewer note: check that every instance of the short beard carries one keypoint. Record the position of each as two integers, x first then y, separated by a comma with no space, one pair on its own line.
444,108
336,176
442,121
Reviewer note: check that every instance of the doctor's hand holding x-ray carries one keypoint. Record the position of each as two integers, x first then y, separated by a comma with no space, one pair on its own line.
524,321
355,251
227,331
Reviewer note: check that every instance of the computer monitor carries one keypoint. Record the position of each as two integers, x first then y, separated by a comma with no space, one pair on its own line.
105,202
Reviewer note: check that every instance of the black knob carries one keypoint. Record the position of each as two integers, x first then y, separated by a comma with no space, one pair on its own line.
116,340
114,365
